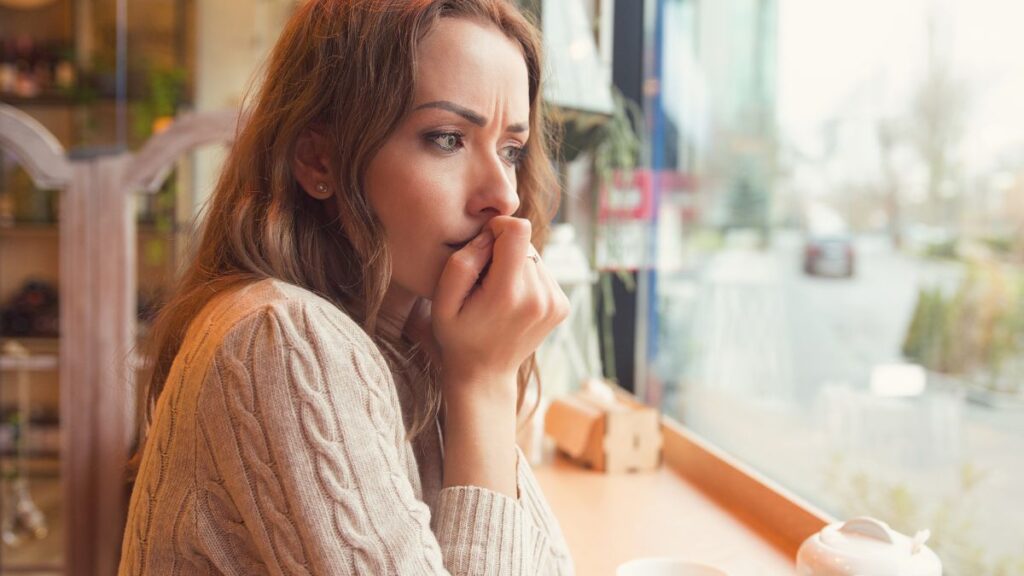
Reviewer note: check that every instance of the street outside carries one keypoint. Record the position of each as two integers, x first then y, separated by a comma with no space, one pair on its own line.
777,367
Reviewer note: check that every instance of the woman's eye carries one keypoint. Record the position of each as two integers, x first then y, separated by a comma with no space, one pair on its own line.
513,155
446,141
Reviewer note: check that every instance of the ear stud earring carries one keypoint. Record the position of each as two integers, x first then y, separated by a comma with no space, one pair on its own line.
321,187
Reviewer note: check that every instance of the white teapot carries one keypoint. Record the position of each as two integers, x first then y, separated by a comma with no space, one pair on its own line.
866,547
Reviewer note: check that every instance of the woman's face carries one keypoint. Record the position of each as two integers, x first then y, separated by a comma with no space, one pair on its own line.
450,166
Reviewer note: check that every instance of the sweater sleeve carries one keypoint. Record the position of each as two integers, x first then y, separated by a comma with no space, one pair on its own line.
457,535
305,424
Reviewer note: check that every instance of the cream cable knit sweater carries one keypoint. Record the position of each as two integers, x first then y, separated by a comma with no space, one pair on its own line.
278,447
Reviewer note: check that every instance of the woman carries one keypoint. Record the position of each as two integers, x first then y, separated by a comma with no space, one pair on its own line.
334,386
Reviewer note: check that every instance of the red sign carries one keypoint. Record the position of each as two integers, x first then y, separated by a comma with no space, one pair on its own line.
630,196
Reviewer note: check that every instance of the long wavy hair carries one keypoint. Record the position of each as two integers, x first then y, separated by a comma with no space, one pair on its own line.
347,67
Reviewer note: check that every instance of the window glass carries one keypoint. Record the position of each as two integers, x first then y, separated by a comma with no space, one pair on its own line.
839,287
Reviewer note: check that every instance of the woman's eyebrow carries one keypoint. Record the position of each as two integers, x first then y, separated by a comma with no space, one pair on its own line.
468,114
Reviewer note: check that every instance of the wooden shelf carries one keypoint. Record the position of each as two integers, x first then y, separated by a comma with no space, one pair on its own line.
151,230
52,230
41,456
35,344
19,231
58,99
36,363
51,99
44,356
38,463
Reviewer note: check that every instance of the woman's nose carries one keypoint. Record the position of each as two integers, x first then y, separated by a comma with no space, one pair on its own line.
494,188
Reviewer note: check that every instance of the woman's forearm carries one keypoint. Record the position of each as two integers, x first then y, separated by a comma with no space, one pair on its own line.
480,442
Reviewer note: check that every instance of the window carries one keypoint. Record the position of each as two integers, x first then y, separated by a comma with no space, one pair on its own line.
839,288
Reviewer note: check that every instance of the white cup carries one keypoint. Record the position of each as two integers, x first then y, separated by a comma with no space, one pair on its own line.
666,567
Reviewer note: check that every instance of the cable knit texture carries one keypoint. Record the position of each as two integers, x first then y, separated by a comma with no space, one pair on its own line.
278,447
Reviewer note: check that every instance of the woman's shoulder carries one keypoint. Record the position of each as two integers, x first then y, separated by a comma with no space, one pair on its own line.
293,311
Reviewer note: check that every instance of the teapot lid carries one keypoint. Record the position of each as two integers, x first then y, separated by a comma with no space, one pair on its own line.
865,545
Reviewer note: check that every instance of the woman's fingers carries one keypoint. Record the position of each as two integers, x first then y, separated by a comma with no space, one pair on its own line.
511,246
460,275
554,304
491,328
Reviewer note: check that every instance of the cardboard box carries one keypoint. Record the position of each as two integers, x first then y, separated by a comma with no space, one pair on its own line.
605,430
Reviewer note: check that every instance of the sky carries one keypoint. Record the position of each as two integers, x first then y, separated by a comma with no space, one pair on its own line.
837,56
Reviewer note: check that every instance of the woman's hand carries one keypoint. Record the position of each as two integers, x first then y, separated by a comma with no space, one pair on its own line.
486,330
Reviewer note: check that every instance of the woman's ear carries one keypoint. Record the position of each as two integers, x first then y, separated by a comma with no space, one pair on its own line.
311,165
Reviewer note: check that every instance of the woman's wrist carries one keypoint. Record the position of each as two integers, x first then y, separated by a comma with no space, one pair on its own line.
479,391
480,434
479,448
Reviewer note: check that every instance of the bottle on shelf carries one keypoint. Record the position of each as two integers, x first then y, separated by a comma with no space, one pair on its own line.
21,517
64,73
8,66
25,83
32,69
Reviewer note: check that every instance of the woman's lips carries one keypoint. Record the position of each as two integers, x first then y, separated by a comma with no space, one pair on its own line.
456,245
461,245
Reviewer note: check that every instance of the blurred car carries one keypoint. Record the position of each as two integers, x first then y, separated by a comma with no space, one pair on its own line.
831,255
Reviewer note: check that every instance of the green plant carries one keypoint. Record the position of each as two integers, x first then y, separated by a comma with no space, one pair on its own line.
618,146
924,340
1001,245
615,143
620,140
942,250
975,332
165,93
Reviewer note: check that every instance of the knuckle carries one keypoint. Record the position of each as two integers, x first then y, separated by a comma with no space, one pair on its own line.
561,307
462,263
534,308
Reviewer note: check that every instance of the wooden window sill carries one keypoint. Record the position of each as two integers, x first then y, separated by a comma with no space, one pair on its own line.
700,505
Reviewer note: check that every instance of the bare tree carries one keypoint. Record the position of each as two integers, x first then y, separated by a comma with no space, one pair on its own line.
938,113
888,133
